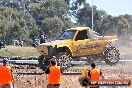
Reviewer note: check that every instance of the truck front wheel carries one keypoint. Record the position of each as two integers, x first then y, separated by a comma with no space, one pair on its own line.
43,62
63,60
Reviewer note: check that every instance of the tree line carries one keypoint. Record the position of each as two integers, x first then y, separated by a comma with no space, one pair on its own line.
24,19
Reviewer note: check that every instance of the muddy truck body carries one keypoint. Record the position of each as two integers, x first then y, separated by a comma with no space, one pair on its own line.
79,42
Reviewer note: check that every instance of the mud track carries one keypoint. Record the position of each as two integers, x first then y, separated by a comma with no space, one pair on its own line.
33,77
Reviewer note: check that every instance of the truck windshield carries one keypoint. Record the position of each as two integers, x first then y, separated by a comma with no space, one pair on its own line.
68,34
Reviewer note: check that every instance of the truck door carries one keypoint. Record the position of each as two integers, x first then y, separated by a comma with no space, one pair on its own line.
96,44
95,47
79,44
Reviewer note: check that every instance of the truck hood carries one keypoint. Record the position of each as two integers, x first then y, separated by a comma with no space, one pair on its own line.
56,42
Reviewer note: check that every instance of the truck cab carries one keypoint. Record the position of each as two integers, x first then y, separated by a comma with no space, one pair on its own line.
78,42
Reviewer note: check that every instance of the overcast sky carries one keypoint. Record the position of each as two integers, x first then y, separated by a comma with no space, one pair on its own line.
114,7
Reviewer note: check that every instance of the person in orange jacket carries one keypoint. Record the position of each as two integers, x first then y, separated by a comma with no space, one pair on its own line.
6,76
54,75
94,74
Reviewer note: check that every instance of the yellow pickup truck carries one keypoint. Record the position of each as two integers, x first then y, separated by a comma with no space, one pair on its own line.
78,42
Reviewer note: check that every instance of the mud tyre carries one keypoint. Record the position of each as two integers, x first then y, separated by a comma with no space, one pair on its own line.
64,60
43,62
112,56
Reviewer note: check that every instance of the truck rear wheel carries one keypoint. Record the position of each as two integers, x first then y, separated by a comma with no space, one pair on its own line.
112,56
63,60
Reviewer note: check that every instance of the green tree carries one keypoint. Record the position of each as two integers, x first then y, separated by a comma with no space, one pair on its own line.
52,26
75,3
16,25
49,10
84,17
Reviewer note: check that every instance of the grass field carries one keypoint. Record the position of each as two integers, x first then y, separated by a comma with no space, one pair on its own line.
11,51
31,51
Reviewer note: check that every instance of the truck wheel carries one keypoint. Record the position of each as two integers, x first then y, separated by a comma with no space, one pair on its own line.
112,56
43,62
64,60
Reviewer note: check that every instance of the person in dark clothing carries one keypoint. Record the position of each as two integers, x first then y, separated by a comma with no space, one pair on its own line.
42,37
54,75
1,44
35,42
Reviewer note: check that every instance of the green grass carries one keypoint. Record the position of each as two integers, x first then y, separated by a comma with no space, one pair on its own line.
11,51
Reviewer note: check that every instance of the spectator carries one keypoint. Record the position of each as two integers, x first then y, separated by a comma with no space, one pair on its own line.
54,76
21,43
35,42
94,74
42,37
1,44
6,76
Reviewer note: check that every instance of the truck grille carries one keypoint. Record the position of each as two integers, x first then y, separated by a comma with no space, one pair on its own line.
43,50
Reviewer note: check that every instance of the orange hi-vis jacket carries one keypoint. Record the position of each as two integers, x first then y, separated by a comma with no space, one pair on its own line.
95,74
5,75
54,75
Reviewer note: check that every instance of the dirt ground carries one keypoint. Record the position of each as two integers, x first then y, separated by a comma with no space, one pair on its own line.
119,71
69,81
